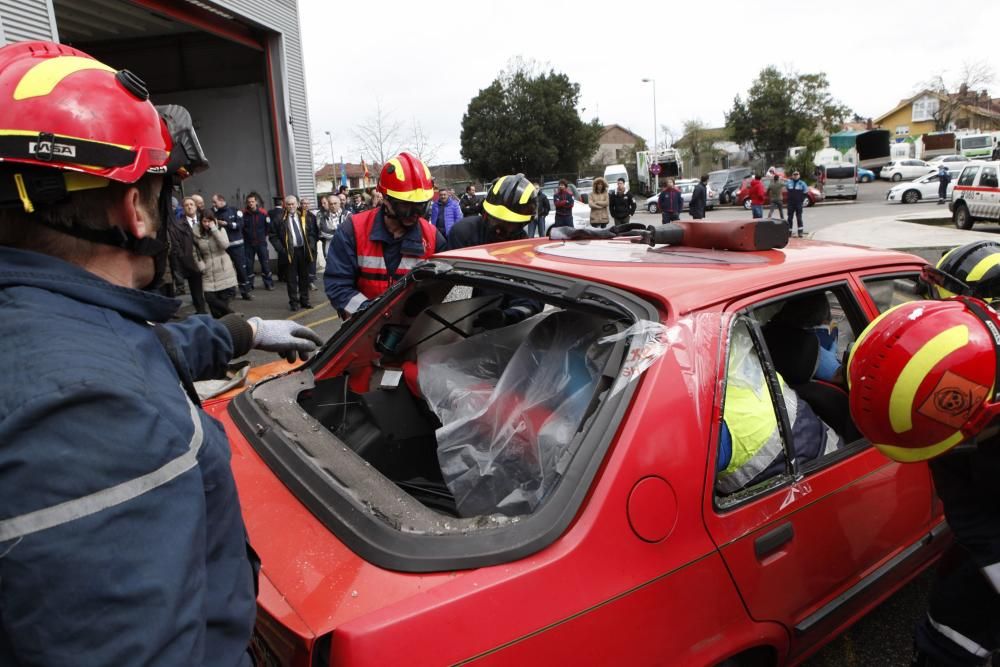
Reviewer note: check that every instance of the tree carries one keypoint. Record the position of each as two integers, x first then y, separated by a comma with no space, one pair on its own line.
955,94
779,106
527,122
699,142
420,144
379,136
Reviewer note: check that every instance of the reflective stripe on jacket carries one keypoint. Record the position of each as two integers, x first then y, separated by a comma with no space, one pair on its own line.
374,277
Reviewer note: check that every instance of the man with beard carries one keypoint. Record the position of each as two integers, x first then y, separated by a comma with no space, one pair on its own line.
509,205
374,248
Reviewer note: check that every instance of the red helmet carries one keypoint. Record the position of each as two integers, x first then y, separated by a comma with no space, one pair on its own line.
60,108
406,178
923,377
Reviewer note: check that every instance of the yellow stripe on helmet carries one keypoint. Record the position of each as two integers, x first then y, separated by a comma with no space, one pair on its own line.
526,195
862,336
413,196
496,186
504,213
984,265
398,166
904,391
915,455
42,78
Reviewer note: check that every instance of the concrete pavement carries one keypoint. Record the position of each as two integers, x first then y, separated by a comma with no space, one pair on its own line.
928,234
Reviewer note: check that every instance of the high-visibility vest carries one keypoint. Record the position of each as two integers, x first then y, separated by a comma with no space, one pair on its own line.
374,278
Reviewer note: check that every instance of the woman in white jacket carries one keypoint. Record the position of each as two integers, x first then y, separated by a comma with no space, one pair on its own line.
217,272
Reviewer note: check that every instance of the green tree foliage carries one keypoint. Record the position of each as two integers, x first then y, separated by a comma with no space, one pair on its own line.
803,162
779,106
527,122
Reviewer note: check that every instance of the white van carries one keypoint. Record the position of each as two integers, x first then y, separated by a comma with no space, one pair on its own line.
612,173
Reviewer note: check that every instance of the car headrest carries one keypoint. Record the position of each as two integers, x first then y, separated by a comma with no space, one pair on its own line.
808,310
794,352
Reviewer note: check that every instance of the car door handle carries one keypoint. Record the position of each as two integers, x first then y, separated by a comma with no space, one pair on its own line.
772,540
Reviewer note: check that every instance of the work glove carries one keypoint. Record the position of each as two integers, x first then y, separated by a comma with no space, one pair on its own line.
287,338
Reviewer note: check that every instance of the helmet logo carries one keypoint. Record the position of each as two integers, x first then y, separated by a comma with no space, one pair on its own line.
46,148
953,400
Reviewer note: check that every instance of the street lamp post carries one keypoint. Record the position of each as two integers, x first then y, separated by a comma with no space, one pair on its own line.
330,137
653,81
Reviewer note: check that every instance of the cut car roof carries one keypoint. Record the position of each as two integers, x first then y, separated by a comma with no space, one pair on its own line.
686,278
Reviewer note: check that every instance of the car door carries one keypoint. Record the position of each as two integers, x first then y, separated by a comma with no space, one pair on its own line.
966,185
812,545
989,192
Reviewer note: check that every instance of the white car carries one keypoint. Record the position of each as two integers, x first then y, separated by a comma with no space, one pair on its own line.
935,161
899,170
923,189
581,216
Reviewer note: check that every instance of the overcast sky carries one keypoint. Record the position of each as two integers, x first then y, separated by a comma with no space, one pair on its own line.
426,60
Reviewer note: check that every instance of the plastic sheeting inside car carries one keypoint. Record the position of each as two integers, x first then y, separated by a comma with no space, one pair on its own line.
511,402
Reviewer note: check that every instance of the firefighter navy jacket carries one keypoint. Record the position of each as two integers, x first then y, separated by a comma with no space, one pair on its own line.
121,539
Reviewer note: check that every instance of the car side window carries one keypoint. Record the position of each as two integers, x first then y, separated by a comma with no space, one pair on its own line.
989,177
751,450
968,176
807,335
890,291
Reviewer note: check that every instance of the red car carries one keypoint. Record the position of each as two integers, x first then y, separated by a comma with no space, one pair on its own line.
813,195
428,492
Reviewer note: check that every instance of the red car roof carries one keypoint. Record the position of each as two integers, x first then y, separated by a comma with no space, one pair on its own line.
679,279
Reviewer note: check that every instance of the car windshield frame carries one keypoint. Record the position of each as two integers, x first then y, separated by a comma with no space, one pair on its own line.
430,541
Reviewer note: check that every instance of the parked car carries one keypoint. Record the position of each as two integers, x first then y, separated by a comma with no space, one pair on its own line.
742,197
936,160
686,186
899,170
377,552
584,187
924,188
726,182
976,196
865,175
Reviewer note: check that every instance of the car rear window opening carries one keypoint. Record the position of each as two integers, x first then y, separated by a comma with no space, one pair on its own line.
430,421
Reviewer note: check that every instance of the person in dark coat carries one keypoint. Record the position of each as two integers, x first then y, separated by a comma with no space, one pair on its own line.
670,201
542,209
699,199
274,215
563,200
944,178
182,260
469,203
256,229
622,205
294,237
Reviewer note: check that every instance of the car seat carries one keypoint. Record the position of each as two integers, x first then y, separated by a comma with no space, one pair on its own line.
795,355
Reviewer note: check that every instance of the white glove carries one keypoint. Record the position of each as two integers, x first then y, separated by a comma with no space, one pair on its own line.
287,338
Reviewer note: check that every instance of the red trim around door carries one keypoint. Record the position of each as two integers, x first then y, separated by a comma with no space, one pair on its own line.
203,20
274,124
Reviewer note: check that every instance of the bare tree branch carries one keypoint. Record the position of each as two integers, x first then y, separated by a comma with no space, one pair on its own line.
378,136
956,93
420,143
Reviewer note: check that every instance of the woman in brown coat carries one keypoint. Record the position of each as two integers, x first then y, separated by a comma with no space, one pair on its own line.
598,200
217,272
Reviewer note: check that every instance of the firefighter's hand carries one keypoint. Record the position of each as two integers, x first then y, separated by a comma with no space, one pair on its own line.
287,338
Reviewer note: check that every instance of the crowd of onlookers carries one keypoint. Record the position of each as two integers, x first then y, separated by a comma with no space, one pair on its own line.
218,251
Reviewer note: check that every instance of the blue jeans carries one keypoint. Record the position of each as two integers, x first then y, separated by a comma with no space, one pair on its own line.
258,252
563,221
757,210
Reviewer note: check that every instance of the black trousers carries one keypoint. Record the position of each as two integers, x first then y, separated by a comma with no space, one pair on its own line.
962,625
197,295
218,302
297,278
239,258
